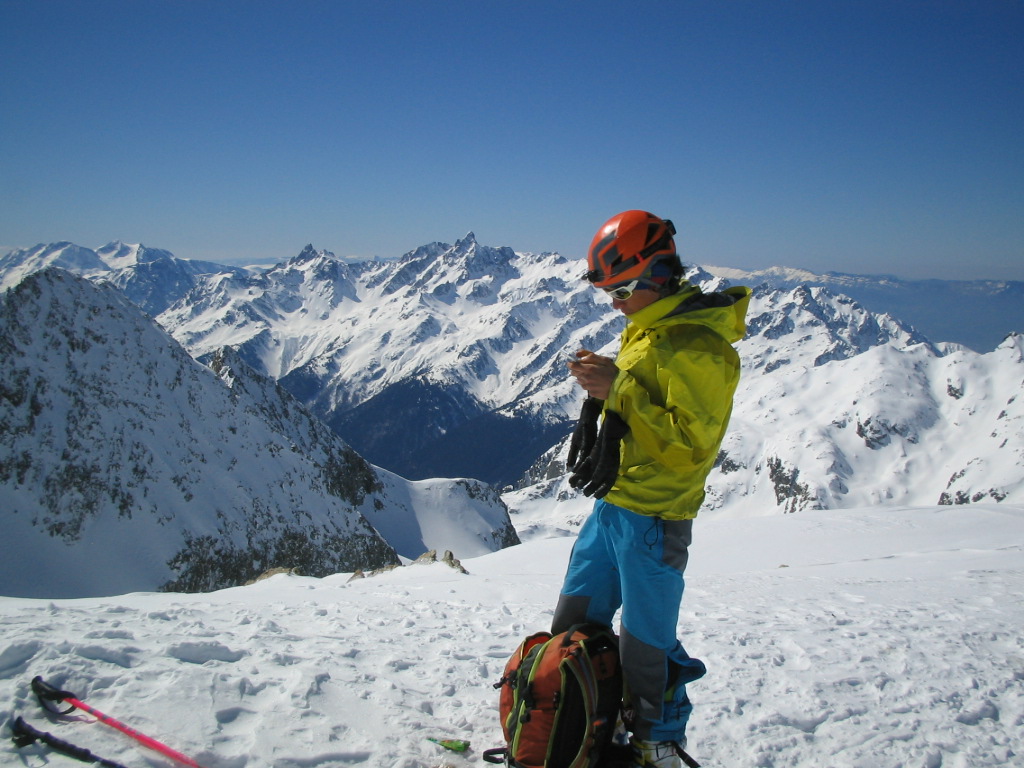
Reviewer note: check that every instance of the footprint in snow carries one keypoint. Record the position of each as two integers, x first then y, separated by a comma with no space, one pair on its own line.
14,658
202,652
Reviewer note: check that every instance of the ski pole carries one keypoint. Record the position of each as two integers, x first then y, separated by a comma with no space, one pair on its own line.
48,693
25,734
690,762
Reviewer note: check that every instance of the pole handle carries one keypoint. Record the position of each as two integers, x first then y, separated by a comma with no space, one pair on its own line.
49,695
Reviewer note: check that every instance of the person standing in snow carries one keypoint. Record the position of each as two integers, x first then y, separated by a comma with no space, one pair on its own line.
664,404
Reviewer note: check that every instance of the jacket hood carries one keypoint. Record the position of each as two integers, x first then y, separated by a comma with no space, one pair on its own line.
724,312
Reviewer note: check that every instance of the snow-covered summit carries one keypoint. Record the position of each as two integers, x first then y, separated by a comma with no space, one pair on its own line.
119,255
19,264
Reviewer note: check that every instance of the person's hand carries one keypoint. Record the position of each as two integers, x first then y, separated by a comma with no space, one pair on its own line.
595,373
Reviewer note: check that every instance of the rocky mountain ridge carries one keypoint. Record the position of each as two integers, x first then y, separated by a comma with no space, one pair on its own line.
126,465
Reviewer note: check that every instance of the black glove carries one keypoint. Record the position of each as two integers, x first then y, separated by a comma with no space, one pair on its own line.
598,471
585,434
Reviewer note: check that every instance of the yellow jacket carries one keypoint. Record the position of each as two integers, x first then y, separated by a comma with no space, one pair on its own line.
677,375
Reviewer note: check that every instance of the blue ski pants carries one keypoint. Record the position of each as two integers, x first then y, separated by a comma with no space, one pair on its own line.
636,562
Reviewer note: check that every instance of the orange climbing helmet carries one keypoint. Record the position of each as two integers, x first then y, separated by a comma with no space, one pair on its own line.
627,246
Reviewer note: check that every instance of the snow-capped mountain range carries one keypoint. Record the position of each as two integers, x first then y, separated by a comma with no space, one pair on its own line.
449,362
975,313
126,465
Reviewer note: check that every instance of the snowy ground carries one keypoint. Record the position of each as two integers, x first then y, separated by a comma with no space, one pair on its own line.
839,639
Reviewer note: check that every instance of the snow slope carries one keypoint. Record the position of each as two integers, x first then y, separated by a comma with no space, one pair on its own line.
881,637
117,447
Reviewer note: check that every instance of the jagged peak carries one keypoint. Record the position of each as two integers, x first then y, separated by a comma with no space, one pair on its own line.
466,242
309,253
470,248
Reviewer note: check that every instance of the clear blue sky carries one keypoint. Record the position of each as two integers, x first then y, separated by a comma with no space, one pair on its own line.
852,136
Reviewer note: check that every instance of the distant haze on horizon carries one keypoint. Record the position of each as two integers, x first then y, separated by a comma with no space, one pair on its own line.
855,136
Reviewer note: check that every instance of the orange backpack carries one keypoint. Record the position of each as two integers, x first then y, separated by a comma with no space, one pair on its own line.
560,699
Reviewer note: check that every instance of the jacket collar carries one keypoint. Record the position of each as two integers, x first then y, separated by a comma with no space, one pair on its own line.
652,313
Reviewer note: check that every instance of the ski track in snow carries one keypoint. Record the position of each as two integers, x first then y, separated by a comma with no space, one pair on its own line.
872,637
